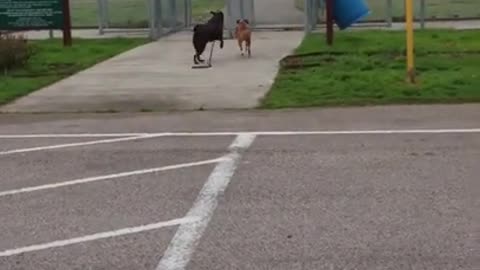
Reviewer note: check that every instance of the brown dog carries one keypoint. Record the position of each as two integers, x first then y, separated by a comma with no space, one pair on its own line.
243,33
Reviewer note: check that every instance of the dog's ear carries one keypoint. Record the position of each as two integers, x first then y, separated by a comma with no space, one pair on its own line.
238,21
246,21
212,12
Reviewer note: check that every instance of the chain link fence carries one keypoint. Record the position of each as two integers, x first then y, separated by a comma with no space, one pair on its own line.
175,14
158,16
394,10
136,13
425,10
112,13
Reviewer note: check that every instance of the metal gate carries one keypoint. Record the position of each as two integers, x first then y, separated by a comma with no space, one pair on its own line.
274,14
167,16
158,17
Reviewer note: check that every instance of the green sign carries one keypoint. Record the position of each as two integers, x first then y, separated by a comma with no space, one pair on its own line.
31,14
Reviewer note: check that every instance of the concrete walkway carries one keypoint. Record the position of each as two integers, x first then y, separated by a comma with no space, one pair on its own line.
158,76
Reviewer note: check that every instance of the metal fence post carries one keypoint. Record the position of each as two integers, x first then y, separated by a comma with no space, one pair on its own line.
389,13
230,18
422,14
242,9
315,9
306,13
312,14
106,13
188,13
312,7
312,18
151,19
155,19
252,10
100,17
173,14
101,10
320,11
159,17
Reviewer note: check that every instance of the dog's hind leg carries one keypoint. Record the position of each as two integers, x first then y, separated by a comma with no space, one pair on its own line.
240,45
211,53
248,47
197,59
199,49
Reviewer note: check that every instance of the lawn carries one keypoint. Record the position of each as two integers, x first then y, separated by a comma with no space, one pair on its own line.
51,62
201,9
368,67
134,13
434,9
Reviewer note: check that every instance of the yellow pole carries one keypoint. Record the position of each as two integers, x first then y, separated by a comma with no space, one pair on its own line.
410,43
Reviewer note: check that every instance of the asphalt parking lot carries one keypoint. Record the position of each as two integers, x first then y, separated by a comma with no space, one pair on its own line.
403,197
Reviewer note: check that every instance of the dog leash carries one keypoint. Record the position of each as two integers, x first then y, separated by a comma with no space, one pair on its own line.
211,53
209,64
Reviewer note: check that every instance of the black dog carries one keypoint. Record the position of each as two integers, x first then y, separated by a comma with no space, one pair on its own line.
204,33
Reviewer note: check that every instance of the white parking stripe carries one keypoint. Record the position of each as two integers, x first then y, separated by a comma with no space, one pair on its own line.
187,236
79,135
97,236
257,133
58,146
107,177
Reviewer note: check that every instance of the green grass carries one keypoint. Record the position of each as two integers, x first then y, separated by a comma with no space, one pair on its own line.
372,41
434,9
368,67
134,13
51,62
201,8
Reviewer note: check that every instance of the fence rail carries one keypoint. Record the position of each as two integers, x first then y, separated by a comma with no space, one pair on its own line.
134,13
425,10
174,14
391,11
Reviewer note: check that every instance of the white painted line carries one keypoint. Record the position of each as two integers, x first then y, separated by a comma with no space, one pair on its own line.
183,244
107,177
58,146
257,133
369,132
97,236
319,132
79,135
